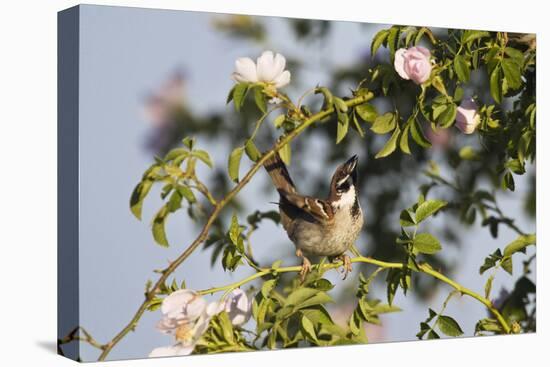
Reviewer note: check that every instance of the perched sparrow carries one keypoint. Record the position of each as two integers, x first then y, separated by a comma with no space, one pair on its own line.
319,227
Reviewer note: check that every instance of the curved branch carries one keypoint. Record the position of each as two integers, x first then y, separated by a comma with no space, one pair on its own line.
424,268
216,212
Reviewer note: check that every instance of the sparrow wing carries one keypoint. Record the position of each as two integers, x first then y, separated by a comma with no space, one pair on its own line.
317,208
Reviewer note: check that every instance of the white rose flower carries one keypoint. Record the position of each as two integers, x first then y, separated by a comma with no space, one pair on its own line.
186,315
467,116
269,68
238,307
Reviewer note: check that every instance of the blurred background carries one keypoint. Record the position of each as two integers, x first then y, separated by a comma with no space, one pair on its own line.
151,77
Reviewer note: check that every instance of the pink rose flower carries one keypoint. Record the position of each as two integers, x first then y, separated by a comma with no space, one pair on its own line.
413,64
467,116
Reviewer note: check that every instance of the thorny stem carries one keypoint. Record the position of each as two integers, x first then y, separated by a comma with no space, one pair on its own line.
203,235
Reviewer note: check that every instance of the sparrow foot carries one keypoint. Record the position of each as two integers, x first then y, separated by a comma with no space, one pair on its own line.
306,265
346,266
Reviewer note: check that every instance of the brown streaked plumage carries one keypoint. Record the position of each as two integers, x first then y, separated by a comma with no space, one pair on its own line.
322,227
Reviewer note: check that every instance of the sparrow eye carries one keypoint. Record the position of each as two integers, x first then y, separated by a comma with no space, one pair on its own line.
344,186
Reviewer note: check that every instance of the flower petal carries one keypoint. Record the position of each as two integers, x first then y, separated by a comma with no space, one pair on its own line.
266,68
238,307
174,303
246,69
423,50
171,351
282,79
399,63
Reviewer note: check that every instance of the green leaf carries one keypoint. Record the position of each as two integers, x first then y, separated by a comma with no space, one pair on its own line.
449,326
507,265
461,68
189,142
239,94
187,193
308,329
519,244
447,117
279,121
251,151
512,73
428,208
377,41
159,233
508,181
404,140
495,84
139,193
259,99
342,129
418,135
406,219
234,229
390,145
268,286
203,156
384,124
367,112
234,163
470,36
426,243
433,335
490,261
393,39
285,153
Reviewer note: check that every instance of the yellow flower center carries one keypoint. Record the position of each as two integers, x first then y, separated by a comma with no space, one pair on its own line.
184,333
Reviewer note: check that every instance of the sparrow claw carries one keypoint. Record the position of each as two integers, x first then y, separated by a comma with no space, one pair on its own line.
346,266
306,266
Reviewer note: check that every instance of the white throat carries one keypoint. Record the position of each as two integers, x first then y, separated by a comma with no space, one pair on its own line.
345,200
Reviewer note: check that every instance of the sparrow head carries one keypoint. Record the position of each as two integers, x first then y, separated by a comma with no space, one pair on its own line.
344,178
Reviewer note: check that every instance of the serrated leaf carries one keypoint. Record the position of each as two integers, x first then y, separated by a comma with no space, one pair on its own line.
428,208
384,124
461,68
426,243
449,326
234,163
390,145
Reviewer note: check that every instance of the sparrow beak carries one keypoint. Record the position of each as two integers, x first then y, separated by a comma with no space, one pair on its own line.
351,164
